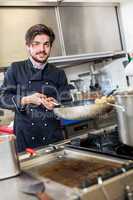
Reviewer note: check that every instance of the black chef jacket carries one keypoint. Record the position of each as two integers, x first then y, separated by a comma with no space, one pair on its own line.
33,125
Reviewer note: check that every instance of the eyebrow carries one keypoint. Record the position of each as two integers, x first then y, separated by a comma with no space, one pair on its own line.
41,42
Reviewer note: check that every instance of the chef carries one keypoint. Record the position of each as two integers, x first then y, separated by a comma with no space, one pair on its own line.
32,87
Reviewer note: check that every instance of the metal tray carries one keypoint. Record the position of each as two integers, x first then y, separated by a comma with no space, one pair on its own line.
65,165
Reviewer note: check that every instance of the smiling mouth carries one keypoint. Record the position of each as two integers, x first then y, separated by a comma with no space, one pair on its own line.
42,54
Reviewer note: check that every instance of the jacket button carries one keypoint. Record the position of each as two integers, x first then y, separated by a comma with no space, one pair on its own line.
31,110
46,83
33,138
45,124
32,124
46,110
29,82
43,138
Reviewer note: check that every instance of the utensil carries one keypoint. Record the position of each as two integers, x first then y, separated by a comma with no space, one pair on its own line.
9,164
117,106
125,119
111,92
80,110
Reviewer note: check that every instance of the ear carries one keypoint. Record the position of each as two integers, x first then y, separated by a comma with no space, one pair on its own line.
27,47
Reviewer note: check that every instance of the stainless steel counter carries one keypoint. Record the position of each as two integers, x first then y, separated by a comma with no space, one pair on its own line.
11,189
114,187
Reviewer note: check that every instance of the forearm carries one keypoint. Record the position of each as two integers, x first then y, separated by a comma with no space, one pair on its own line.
26,100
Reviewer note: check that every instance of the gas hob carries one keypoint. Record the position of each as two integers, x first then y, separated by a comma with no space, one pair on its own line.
104,141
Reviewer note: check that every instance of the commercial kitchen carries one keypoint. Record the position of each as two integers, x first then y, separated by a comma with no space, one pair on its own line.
94,46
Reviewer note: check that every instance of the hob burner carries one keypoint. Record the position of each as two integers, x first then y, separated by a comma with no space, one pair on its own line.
125,150
105,142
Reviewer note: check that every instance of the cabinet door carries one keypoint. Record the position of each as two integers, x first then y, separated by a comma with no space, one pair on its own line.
88,29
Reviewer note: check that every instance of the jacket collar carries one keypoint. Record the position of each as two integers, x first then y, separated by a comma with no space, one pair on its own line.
35,74
37,65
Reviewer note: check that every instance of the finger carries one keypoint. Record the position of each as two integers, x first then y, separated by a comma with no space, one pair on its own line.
41,95
51,98
44,102
47,104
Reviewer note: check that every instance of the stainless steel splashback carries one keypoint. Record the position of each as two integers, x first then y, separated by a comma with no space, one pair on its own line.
14,23
80,28
91,29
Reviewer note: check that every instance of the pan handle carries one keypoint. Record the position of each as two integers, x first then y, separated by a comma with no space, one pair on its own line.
111,93
117,106
57,104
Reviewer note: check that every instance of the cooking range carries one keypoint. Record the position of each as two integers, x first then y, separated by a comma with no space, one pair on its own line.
94,165
71,174
104,141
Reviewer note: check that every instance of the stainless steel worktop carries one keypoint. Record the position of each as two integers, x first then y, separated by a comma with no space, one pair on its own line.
114,187
11,189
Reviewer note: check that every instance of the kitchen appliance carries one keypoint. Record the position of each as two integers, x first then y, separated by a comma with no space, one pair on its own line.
125,118
92,165
87,87
9,164
78,84
73,128
93,79
104,141
78,174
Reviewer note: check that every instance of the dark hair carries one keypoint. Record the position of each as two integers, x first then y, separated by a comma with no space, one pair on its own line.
39,29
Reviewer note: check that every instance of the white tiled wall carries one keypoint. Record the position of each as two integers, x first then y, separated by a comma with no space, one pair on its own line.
113,75
73,72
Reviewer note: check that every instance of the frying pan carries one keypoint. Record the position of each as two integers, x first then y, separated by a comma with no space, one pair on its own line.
78,110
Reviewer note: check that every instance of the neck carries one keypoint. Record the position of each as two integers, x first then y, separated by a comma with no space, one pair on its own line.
37,64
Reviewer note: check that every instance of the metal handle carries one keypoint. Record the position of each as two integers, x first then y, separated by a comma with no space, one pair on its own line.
117,106
129,193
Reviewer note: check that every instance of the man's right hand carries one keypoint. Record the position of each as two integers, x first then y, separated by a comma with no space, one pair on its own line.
35,99
39,99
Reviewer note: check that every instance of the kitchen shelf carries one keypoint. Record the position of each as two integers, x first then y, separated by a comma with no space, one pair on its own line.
68,61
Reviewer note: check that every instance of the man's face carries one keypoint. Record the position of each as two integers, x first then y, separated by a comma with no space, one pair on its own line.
40,48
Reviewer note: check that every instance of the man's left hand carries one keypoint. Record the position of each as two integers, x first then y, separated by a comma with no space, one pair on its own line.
48,102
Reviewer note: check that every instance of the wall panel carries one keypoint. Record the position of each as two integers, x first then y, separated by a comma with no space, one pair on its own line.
14,22
88,29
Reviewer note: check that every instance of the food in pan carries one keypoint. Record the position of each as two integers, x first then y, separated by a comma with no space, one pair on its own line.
105,99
